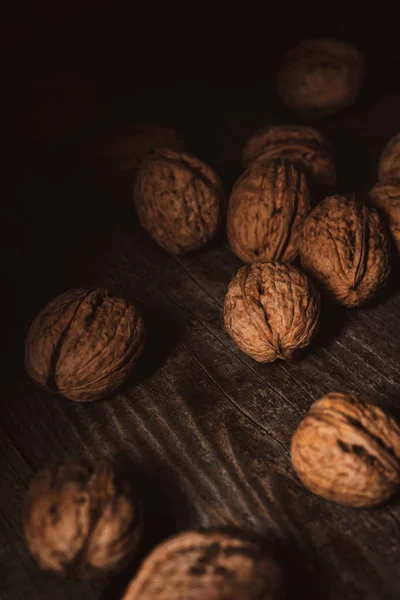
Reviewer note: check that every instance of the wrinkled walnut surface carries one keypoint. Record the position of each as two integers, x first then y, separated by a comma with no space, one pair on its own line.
271,310
179,201
266,211
345,247
389,163
84,344
386,196
81,520
348,451
209,565
320,77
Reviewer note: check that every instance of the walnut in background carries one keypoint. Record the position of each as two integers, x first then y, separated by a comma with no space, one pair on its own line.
389,162
386,196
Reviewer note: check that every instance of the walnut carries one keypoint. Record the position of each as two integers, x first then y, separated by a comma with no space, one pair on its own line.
320,77
389,163
348,451
84,344
266,212
212,565
271,310
386,196
81,519
179,200
304,146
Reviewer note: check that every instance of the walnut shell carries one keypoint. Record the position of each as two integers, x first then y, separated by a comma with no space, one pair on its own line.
179,201
211,565
389,162
84,344
266,211
348,451
304,146
271,310
386,196
345,247
81,519
320,77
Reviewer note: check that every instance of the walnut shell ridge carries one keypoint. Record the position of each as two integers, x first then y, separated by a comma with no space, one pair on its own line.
347,450
271,310
84,344
207,564
345,247
386,196
81,519
179,201
266,211
320,77
389,162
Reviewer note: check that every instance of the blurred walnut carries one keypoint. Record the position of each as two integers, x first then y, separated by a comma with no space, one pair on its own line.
266,211
84,344
209,565
179,200
304,146
345,246
389,163
387,197
320,77
271,310
81,520
348,451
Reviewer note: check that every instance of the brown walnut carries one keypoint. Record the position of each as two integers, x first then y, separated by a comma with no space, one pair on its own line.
320,77
211,565
386,196
179,201
266,211
345,247
348,451
304,146
84,344
81,519
389,163
271,310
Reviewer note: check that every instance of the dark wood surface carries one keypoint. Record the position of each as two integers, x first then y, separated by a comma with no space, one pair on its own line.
202,429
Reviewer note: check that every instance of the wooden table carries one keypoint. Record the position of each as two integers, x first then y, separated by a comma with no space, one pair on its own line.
202,428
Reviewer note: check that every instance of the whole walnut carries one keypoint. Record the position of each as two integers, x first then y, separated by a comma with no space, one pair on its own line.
386,196
389,163
271,310
348,451
84,344
210,565
320,77
179,200
266,211
81,519
304,146
345,247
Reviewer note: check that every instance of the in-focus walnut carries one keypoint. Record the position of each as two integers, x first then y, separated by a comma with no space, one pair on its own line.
348,451
84,344
271,310
386,196
304,146
211,565
179,200
320,77
389,163
345,247
266,212
81,519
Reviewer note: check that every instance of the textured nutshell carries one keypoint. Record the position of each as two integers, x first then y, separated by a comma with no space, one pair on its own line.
179,201
386,196
304,146
347,450
210,565
84,344
320,77
266,211
81,520
389,162
345,247
271,310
